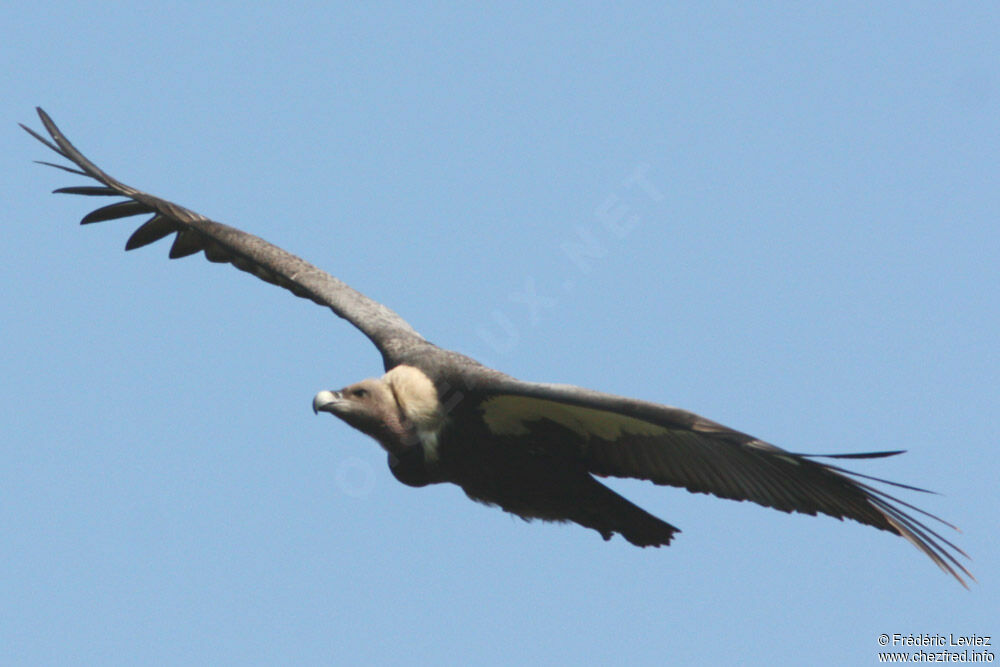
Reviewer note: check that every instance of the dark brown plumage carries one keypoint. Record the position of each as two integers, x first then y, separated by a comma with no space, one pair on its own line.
532,449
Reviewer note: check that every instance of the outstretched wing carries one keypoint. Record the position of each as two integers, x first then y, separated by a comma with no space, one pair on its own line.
622,437
390,333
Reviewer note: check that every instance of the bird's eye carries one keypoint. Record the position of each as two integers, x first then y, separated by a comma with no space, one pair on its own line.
359,393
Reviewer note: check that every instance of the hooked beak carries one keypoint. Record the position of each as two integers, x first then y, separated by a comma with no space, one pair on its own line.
326,401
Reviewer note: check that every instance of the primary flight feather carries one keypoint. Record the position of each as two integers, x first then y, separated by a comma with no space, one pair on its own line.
532,449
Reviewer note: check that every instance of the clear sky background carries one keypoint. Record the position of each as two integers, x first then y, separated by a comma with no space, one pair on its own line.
819,268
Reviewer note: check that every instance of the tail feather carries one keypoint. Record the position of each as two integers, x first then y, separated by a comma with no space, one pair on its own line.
608,513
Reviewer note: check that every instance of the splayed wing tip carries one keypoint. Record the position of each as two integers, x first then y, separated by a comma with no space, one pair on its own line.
856,455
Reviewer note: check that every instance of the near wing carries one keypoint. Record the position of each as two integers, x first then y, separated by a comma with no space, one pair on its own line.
622,437
222,243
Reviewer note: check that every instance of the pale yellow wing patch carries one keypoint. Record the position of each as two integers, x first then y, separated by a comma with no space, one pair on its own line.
509,415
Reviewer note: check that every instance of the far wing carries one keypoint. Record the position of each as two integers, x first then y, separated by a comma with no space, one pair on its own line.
222,243
622,437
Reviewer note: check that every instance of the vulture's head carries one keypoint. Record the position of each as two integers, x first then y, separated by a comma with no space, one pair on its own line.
368,406
397,409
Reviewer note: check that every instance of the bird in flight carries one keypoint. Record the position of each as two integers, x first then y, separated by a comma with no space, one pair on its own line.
533,449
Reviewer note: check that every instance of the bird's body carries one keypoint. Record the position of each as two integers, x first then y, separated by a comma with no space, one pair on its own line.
533,449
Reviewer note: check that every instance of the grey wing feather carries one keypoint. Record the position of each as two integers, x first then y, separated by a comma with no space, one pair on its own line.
630,438
222,243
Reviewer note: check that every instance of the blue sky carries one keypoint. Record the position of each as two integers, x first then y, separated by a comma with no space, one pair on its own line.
818,267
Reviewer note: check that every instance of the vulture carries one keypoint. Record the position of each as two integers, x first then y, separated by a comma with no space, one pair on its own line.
535,450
